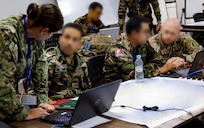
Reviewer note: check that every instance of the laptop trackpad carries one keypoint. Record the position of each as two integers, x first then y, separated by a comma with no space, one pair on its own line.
183,71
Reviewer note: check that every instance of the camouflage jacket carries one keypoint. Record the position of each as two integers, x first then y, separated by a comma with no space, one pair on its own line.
138,7
184,47
67,78
87,28
13,61
122,66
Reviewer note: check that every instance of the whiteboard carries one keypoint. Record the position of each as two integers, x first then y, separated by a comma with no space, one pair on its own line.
11,7
72,9
192,7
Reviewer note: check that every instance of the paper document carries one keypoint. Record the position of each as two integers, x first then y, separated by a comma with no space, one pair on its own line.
92,122
162,92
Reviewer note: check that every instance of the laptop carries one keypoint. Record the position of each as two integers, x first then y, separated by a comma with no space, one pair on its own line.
197,64
92,102
112,32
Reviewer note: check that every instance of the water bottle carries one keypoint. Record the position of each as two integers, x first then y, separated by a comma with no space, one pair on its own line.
139,74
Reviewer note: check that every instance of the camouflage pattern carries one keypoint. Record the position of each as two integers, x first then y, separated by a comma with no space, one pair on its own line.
123,67
13,65
67,78
184,46
95,44
138,7
87,28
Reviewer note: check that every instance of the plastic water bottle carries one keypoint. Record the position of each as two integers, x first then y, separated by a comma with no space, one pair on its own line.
139,74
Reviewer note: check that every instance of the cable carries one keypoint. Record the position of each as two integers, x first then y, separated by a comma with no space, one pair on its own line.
153,109
156,109
57,125
193,73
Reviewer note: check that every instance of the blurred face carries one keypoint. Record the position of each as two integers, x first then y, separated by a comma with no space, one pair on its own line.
70,41
43,34
141,36
95,13
169,34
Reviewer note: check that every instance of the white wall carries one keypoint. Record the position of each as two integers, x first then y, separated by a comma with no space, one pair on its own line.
180,5
10,7
110,14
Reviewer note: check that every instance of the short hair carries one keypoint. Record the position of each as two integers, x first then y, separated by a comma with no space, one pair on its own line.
95,5
134,23
73,25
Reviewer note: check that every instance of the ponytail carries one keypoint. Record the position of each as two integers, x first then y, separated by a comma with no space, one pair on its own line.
46,15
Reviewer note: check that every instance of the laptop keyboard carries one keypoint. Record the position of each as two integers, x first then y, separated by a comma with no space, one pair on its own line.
61,117
64,118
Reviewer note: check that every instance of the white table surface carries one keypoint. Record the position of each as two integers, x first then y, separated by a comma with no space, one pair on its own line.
162,92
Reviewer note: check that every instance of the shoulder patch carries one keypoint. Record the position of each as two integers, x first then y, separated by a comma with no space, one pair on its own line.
119,52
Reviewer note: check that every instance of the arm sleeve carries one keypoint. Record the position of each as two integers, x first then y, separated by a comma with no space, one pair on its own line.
101,25
39,75
191,47
122,64
77,21
155,5
122,13
10,106
154,61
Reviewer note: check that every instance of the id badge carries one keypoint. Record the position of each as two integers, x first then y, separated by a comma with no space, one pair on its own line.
29,99
26,99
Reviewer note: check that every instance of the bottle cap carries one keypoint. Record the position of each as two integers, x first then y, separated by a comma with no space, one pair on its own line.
138,56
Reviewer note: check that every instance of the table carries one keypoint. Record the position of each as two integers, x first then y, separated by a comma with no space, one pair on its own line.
115,123
192,30
193,27
39,124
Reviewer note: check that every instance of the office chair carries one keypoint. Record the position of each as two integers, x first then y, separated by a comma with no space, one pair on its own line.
198,17
198,36
52,42
95,69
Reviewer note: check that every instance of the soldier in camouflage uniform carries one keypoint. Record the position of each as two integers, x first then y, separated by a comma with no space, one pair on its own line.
174,45
91,22
15,36
139,7
68,73
120,57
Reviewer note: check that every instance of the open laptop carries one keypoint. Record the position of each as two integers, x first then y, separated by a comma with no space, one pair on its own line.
197,64
90,103
112,32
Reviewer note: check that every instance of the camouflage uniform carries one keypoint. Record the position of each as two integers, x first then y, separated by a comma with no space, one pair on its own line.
67,78
123,67
87,29
184,47
13,65
138,7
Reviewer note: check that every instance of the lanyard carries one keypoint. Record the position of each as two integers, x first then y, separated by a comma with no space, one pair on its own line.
28,56
93,30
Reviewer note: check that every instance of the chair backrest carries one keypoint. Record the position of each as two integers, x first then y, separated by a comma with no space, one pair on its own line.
95,69
52,42
199,37
198,17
